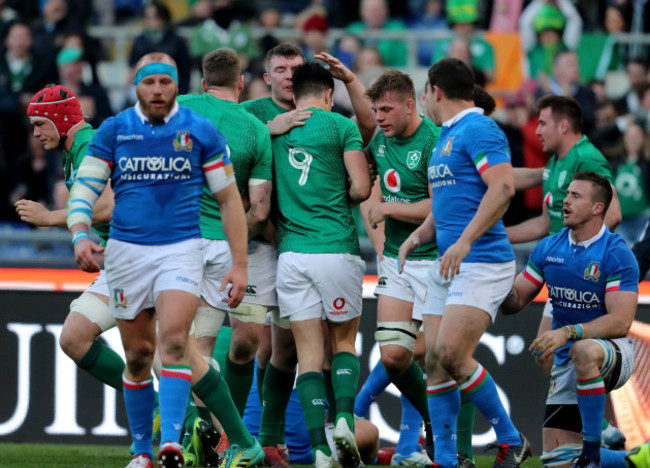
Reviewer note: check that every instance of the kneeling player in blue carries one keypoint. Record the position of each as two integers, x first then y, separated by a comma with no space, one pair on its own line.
592,277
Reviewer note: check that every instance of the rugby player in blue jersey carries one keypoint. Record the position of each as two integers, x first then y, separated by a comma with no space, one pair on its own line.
592,278
158,156
472,182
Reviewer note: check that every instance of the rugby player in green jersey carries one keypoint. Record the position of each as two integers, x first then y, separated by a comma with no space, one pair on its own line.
56,115
320,170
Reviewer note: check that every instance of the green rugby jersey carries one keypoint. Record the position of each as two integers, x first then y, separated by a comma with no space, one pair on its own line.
249,143
402,168
312,185
264,109
71,162
583,156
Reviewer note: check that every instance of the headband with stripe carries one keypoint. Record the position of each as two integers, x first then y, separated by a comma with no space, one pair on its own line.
156,68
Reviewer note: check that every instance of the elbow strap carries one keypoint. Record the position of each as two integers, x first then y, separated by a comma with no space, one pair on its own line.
218,173
89,184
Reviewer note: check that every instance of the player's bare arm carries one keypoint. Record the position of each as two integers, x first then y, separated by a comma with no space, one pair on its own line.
284,122
495,202
531,229
413,213
522,294
424,234
259,196
376,232
37,214
234,227
526,178
365,116
614,215
357,169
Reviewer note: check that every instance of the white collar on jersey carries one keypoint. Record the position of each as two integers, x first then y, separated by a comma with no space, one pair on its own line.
145,120
588,242
462,114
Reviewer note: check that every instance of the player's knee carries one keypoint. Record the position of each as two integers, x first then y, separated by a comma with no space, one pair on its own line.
396,340
450,360
172,346
395,359
243,349
139,356
584,355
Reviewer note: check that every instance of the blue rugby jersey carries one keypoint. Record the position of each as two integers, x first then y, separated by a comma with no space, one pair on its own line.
469,144
157,173
579,275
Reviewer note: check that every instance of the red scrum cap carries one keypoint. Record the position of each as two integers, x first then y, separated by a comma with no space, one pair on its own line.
57,105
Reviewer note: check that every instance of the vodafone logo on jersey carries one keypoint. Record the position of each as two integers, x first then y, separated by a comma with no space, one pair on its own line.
338,304
392,180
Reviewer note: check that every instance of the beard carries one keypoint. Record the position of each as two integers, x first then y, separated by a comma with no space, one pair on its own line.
156,114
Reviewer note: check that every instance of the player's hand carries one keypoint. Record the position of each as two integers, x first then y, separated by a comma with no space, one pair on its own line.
336,68
237,277
545,344
411,243
33,213
284,122
372,169
376,215
453,257
83,254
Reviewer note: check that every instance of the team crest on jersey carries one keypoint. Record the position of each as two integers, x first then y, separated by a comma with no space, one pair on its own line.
592,272
561,178
183,142
413,159
119,299
392,181
381,151
446,150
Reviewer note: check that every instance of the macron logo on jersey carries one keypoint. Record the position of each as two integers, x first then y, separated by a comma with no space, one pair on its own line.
129,137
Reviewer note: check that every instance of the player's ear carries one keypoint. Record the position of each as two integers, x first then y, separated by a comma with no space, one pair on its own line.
203,85
267,78
240,84
410,104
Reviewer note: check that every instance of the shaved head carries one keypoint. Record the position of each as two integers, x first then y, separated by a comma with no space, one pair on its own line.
154,57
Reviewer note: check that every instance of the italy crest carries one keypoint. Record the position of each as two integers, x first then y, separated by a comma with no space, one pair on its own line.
183,142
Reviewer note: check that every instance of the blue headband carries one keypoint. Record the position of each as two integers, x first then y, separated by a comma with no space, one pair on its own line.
155,69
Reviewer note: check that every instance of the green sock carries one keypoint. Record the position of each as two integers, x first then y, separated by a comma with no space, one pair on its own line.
345,378
465,426
191,414
204,412
605,424
240,380
261,372
214,392
277,389
311,391
414,387
104,364
329,393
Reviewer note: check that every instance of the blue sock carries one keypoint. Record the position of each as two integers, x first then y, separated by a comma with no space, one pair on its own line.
376,383
139,399
444,405
482,391
409,428
173,393
612,458
591,402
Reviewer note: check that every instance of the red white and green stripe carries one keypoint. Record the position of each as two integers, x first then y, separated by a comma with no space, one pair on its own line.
613,284
481,163
534,275
177,372
442,389
214,163
475,381
131,385
591,386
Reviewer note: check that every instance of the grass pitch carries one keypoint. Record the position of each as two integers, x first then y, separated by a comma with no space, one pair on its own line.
106,456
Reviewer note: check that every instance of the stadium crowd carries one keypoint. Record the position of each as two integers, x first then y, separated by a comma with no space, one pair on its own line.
441,229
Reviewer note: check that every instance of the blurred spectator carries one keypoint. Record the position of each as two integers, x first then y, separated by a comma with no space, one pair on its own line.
430,18
607,137
638,16
565,81
505,15
642,115
48,32
93,97
341,13
314,36
7,15
462,16
369,66
160,36
614,54
516,115
631,173
374,18
35,172
92,49
220,28
460,48
546,28
636,71
314,8
600,90
255,88
347,50
269,20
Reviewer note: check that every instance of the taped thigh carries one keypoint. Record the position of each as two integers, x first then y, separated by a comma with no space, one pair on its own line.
94,309
402,334
208,321
251,313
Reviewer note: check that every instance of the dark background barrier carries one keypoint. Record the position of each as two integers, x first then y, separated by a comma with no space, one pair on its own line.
45,399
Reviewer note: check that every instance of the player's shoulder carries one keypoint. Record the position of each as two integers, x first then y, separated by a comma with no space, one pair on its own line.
585,149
